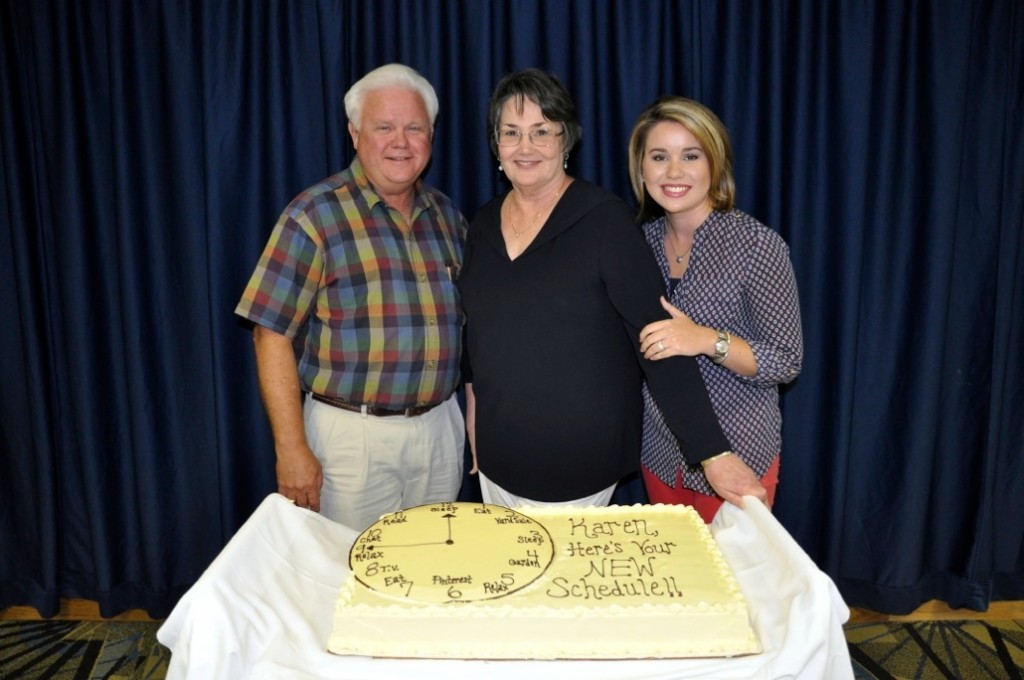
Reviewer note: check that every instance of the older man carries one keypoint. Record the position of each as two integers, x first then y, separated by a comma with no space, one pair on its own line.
357,324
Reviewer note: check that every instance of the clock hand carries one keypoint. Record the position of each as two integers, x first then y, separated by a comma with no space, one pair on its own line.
449,517
449,541
406,545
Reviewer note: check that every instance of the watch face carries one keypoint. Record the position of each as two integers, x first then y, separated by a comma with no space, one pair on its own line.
721,347
448,552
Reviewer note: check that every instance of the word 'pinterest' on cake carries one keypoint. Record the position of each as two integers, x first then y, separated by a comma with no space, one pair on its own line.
475,581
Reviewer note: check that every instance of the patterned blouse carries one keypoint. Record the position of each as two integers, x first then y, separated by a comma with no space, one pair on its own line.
739,279
370,300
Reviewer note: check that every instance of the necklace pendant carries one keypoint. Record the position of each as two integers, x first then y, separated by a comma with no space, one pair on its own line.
680,258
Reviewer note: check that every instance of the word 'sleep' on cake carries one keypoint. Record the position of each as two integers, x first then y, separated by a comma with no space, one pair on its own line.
476,581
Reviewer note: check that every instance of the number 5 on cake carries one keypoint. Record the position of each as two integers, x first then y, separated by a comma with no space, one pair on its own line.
429,554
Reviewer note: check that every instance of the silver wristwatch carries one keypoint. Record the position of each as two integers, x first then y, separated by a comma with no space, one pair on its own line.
722,347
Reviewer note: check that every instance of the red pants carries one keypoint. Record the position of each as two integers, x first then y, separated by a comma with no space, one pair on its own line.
705,505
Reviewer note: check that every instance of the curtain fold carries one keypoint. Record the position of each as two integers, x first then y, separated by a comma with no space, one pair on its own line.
147,148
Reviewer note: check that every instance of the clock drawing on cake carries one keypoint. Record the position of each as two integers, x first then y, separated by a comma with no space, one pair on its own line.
451,552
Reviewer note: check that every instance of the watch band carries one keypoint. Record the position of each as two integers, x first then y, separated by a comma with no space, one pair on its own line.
722,347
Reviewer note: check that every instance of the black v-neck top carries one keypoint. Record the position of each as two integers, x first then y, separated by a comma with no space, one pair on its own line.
552,350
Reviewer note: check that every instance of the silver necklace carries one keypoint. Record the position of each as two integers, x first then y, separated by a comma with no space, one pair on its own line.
670,235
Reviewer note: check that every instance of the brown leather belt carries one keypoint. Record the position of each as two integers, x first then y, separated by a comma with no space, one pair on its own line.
372,410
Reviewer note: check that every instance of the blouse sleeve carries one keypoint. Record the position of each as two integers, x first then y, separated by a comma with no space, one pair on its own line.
771,294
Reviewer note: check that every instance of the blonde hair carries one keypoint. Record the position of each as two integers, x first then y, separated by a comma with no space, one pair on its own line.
710,133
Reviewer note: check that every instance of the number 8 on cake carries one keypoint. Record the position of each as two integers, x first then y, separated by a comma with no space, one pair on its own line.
433,553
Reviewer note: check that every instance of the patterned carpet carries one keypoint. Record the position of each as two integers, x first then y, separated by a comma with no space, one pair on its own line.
929,650
933,650
81,650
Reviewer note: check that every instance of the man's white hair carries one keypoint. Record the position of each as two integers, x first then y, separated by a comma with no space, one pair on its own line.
389,75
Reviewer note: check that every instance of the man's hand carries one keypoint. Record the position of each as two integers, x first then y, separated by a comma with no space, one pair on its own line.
300,477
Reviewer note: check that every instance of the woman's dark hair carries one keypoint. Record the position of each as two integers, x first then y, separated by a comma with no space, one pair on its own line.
544,90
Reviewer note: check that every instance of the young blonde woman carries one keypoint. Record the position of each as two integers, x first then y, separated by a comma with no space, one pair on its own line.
730,292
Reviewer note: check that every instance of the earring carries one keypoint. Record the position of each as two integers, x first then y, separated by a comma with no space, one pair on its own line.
500,168
565,162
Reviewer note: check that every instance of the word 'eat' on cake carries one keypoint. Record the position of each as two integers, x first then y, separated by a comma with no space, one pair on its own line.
475,581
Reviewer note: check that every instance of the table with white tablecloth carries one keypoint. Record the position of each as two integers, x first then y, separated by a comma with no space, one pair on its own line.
264,607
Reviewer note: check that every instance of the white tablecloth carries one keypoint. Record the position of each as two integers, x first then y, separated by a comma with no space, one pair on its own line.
263,610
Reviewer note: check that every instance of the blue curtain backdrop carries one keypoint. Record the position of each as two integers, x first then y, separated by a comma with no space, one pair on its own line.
147,147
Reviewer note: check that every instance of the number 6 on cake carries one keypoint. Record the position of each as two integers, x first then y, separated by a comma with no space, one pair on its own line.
430,553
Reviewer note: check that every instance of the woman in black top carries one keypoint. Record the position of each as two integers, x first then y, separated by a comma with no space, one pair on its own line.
557,282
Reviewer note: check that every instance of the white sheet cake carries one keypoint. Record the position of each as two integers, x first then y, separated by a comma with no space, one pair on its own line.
475,581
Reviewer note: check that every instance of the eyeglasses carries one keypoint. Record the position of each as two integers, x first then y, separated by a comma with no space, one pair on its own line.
538,137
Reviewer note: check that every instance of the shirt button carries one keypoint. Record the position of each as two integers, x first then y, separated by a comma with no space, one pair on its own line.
423,277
